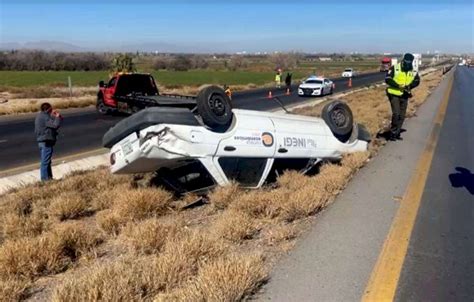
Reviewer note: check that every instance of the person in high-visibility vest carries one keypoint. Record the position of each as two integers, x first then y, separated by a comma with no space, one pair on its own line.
401,79
278,79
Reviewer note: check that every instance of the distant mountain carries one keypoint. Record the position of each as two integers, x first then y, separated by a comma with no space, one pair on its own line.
143,47
161,47
43,45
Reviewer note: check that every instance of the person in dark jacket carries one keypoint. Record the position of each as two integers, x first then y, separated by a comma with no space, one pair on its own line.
47,123
288,81
401,79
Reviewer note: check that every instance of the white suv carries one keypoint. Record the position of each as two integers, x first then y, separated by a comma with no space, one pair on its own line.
348,73
315,86
188,155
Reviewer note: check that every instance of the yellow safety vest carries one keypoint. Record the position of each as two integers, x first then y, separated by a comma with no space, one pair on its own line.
401,78
278,78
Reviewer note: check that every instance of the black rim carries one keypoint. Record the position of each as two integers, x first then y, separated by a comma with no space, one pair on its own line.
338,116
217,104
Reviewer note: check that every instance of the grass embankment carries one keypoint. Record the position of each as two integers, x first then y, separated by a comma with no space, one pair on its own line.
96,236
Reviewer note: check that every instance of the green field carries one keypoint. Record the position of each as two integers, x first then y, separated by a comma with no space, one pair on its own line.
168,78
175,78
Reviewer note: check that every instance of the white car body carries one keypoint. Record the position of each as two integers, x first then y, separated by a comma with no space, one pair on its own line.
255,141
315,86
348,73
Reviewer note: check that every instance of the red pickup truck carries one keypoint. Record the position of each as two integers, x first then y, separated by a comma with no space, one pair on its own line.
132,92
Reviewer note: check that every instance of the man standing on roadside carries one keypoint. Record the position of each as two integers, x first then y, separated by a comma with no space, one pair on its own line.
401,79
47,123
288,81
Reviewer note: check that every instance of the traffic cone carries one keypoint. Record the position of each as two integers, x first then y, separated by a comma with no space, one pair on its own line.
287,91
270,94
349,84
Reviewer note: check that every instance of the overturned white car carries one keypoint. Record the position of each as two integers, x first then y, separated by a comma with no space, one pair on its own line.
212,144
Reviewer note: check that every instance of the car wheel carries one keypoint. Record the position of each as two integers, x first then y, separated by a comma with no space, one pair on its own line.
214,107
338,117
101,107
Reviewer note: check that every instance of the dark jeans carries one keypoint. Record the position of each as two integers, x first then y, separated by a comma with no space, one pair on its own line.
46,152
399,109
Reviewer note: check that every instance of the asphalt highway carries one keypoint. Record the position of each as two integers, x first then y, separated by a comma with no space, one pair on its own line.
82,130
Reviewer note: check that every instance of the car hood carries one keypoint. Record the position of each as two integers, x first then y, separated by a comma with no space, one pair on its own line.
313,86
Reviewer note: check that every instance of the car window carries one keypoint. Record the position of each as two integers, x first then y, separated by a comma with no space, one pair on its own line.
246,171
192,176
141,84
348,69
112,82
314,82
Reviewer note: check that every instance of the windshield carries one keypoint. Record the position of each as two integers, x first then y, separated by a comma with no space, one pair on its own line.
137,84
313,82
348,69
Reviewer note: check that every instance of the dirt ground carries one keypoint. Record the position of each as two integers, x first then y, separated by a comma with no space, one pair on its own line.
95,236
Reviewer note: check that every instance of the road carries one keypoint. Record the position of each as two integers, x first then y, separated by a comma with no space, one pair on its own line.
387,243
83,130
439,265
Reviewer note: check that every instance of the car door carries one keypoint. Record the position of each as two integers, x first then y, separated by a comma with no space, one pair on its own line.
246,153
110,91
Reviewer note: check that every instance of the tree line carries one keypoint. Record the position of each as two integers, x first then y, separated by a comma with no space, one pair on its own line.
42,60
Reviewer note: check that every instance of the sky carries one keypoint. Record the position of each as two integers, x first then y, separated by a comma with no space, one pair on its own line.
231,26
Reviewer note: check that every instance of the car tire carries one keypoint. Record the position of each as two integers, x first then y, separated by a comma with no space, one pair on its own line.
214,107
101,107
338,117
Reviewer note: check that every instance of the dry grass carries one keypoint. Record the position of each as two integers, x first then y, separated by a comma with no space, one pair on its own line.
142,278
133,205
149,236
50,253
228,278
17,106
12,289
68,206
155,249
235,226
221,197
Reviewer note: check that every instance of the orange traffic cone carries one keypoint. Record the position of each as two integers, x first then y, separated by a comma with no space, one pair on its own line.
349,84
270,94
287,91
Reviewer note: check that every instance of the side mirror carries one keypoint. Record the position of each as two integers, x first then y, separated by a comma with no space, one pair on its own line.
101,84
